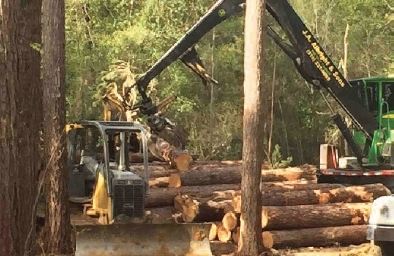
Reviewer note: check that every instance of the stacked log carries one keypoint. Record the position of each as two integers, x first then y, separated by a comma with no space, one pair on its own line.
232,175
159,197
327,236
297,211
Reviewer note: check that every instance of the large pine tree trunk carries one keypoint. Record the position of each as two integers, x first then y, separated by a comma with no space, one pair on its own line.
58,229
253,125
20,120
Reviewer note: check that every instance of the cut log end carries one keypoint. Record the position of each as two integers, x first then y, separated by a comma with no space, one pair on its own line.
174,181
213,232
230,221
182,161
268,240
224,235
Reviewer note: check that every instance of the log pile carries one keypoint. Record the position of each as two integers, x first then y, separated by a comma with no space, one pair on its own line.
296,212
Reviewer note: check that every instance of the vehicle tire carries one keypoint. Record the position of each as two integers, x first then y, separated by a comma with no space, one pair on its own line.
386,247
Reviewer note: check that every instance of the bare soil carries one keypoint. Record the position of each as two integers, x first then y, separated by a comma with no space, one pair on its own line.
366,249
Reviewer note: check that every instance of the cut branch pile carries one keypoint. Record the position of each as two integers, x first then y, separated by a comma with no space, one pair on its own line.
297,211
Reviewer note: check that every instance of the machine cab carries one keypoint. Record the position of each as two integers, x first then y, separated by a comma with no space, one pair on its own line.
99,167
377,96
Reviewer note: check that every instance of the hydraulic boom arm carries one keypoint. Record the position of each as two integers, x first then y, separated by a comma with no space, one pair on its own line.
310,59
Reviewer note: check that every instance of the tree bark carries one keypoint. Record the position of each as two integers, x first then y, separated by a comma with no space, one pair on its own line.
344,235
288,186
305,172
311,216
353,194
20,123
219,248
58,228
253,124
165,196
235,235
232,175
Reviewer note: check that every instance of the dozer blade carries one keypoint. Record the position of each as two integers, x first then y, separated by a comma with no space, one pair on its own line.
143,240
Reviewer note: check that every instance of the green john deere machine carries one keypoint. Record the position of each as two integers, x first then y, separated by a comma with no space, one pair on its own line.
374,155
377,96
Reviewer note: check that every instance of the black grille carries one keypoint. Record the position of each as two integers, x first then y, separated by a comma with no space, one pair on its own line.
128,198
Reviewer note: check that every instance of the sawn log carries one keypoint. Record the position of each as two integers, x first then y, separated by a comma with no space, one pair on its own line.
165,196
310,216
232,175
343,235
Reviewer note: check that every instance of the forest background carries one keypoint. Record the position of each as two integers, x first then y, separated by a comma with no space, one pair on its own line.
100,32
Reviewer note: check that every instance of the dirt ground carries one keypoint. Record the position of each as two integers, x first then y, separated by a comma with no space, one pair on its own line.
366,249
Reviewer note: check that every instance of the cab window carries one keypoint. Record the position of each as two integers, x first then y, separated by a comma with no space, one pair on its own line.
388,95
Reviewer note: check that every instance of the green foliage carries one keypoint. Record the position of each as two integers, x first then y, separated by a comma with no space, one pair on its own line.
277,160
100,32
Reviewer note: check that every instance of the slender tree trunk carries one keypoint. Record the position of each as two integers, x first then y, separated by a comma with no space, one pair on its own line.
20,120
211,96
284,128
58,229
345,73
253,125
272,110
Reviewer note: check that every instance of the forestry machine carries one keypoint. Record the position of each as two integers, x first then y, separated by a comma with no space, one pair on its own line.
367,103
105,182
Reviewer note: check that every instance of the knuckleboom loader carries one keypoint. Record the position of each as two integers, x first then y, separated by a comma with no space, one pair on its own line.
367,103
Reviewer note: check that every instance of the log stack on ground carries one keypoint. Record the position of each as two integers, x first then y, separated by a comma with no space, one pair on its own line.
297,211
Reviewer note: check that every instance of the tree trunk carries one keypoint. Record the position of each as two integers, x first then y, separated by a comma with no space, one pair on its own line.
344,235
353,194
270,135
235,235
165,196
58,228
232,175
20,123
253,124
311,216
